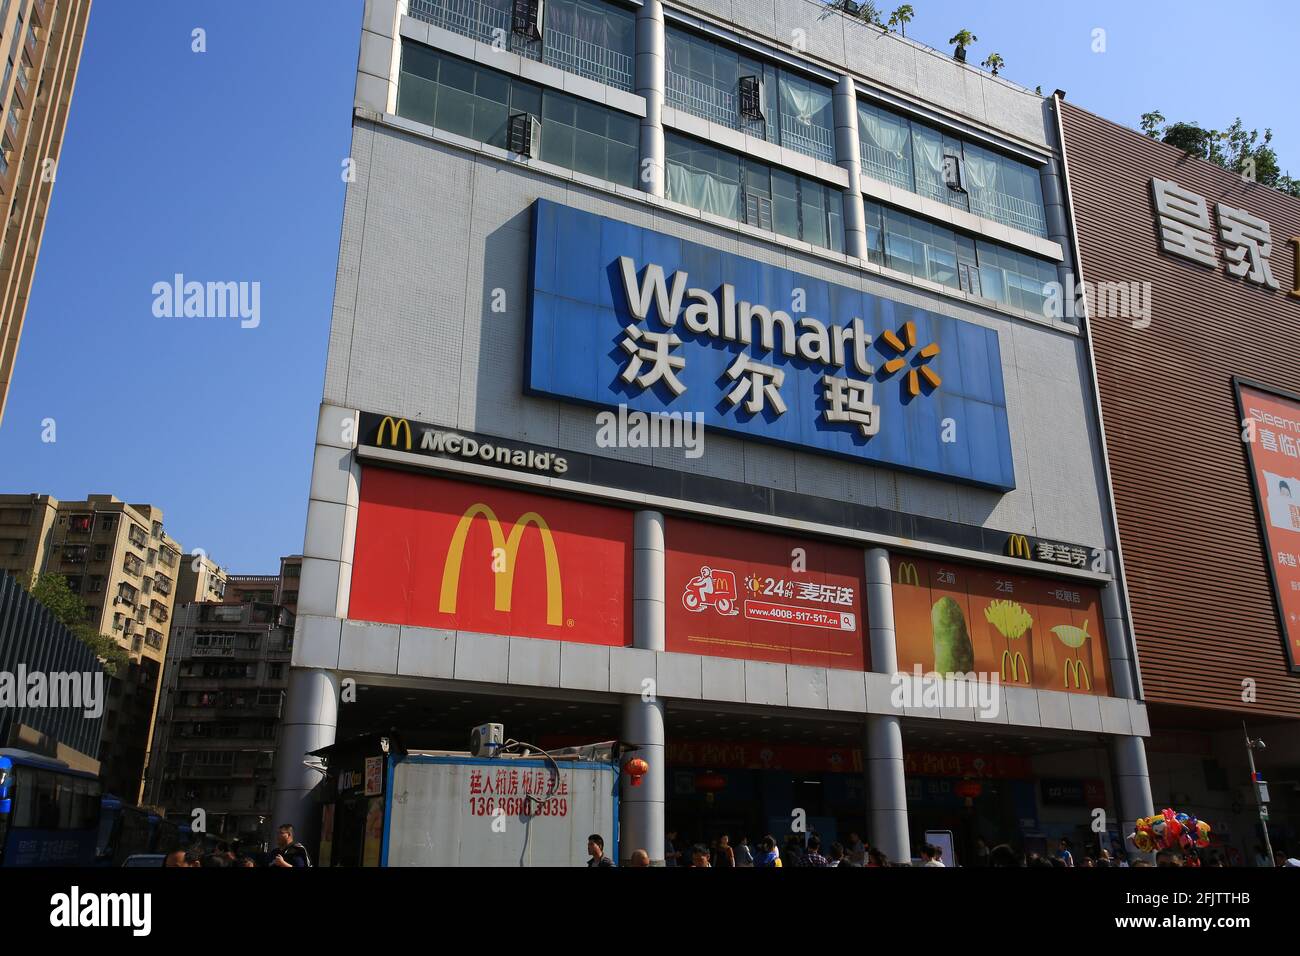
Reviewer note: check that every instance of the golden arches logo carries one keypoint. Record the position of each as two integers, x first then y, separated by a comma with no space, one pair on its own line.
907,573
1018,547
505,580
1075,667
1013,664
395,428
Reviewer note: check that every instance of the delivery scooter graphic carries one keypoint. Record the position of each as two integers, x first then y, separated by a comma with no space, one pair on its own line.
710,588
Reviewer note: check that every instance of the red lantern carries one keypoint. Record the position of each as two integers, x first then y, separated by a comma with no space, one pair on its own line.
969,789
636,768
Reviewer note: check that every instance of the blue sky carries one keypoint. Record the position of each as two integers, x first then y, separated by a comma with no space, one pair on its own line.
225,166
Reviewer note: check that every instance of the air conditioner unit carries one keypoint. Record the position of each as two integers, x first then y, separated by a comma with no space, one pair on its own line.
953,173
524,135
751,97
486,739
526,19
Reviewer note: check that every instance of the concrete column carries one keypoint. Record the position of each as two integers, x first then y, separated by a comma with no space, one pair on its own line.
1058,225
848,156
310,722
883,737
641,808
1132,783
651,65
1123,670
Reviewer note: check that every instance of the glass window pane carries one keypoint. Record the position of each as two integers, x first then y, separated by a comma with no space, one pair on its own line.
813,211
455,112
785,203
525,98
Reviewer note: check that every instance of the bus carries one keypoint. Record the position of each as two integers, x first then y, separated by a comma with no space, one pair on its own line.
126,830
49,813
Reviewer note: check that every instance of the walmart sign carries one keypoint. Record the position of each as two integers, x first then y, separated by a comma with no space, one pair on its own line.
621,315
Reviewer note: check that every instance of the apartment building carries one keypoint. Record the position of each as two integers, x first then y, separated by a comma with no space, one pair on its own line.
40,43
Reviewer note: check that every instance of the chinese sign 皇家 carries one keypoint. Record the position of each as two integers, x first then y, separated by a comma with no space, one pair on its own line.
622,315
1186,230
1272,429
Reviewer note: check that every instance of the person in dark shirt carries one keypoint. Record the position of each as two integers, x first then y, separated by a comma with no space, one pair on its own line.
596,850
288,852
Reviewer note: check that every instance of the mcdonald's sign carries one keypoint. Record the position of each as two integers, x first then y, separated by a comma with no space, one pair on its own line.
1013,665
1018,547
505,550
907,573
1076,668
433,552
394,429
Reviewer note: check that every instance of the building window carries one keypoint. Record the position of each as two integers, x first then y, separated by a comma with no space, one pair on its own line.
590,38
977,267
725,86
79,524
107,523
910,155
101,552
138,536
75,553
460,97
720,182
96,584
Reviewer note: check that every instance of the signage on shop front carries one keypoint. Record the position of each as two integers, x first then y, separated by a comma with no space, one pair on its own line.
1031,632
445,554
621,315
1271,435
763,597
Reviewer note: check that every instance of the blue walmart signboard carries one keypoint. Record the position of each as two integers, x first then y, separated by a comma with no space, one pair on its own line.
621,315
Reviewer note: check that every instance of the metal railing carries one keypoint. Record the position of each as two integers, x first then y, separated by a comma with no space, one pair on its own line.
885,166
1010,211
490,22
815,141
701,99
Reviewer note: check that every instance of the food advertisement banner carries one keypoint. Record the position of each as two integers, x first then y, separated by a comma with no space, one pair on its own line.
1032,632
763,597
460,556
1272,431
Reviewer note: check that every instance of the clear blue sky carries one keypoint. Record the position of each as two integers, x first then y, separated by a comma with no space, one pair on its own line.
225,166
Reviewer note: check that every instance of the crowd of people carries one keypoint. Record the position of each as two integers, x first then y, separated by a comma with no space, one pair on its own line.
287,853
807,850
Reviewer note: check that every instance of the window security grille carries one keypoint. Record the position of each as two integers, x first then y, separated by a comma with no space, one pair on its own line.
758,211
525,135
526,20
751,97
968,277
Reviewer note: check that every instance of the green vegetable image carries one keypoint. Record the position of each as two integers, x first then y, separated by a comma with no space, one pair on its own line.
953,652
1071,636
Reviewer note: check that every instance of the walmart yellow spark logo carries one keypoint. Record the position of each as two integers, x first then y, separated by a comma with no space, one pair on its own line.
901,347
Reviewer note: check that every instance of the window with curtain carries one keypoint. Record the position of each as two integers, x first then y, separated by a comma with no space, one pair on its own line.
703,177
807,122
1004,190
461,97
886,144
703,79
592,39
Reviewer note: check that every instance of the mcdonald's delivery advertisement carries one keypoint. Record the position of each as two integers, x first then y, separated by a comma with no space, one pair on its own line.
1031,632
1271,429
763,597
446,554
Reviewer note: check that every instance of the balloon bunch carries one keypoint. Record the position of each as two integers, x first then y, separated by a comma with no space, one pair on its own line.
1168,831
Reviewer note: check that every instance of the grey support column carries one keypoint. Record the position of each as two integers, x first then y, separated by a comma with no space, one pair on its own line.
1058,226
310,722
651,64
848,157
1119,648
641,813
1132,782
883,739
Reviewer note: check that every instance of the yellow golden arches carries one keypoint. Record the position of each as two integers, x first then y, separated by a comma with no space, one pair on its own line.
394,428
1075,667
1012,665
505,580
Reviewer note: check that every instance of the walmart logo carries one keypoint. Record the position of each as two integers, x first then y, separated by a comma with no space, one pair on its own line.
901,348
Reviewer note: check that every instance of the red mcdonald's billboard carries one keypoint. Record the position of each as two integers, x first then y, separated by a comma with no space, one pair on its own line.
447,554
762,597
